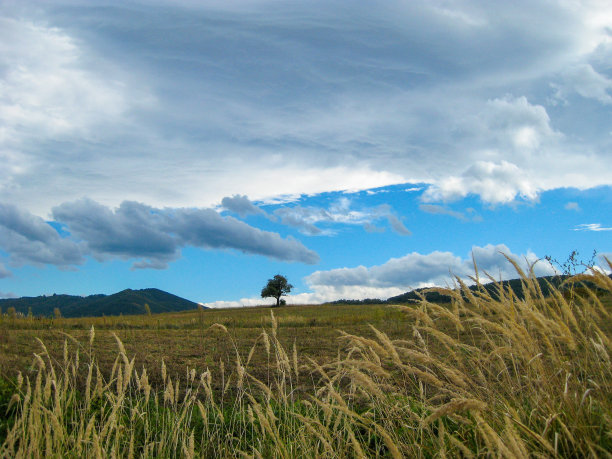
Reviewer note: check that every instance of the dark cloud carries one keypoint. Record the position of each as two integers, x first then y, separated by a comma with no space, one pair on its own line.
150,264
206,228
155,236
398,226
370,228
28,239
4,272
241,205
7,295
133,230
442,210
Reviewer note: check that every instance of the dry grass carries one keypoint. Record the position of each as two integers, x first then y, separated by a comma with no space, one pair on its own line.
483,377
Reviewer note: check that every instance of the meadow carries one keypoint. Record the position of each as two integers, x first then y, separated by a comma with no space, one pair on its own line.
488,375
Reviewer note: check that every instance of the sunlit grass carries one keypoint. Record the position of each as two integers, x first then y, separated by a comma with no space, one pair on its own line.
488,377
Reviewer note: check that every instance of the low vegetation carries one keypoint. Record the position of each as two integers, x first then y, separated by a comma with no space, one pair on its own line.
488,374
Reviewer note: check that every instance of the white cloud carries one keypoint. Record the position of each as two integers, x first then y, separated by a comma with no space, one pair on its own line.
497,183
45,90
522,124
591,227
340,212
416,270
584,80
183,122
235,304
373,192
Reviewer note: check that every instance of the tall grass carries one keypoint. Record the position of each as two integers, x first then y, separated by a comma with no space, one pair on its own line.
489,375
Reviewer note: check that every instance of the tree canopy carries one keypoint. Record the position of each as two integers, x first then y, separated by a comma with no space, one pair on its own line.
276,287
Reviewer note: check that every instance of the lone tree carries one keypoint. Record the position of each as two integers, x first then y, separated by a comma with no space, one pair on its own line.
276,287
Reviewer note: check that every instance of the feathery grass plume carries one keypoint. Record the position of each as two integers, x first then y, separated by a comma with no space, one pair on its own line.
264,388
295,360
266,341
441,311
419,339
365,383
169,392
421,375
358,449
454,406
418,313
387,344
65,355
40,362
460,445
119,344
217,326
371,367
240,370
363,342
273,323
448,342
120,380
251,354
320,432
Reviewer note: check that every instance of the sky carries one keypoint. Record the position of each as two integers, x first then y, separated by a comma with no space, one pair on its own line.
361,149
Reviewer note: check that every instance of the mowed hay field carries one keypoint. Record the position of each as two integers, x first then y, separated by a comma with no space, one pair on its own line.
186,339
484,376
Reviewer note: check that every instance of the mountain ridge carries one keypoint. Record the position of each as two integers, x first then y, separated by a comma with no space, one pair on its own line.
126,302
516,285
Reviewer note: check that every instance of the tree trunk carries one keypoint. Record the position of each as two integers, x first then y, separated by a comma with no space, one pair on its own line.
277,301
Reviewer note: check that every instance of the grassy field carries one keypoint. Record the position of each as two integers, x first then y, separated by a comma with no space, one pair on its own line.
480,377
186,339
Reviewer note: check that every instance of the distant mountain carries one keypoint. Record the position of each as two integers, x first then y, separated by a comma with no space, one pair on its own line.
515,284
124,302
435,297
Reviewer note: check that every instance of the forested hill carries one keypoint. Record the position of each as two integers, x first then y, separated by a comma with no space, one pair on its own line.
435,297
516,285
124,302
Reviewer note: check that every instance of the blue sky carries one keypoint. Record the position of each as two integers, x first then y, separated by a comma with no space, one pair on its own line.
360,148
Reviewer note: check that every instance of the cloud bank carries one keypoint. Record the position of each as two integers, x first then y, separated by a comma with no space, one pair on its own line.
28,239
153,237
399,275
416,270
135,230
466,98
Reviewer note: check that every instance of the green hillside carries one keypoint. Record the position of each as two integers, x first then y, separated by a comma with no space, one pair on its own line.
125,302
